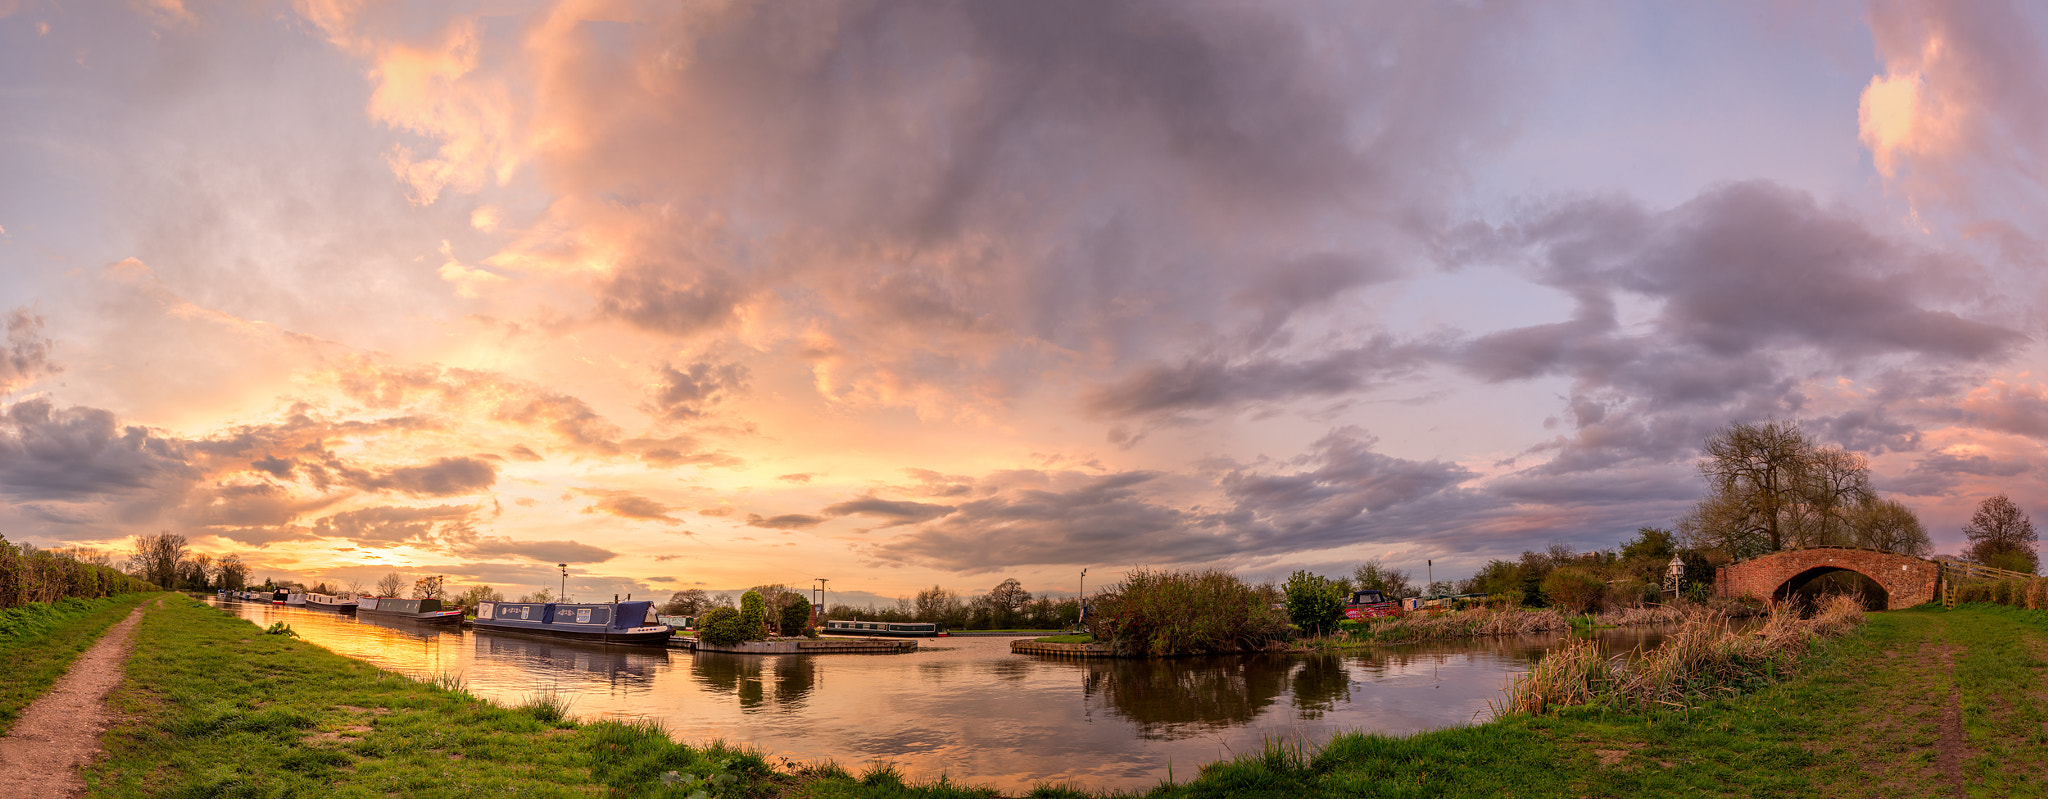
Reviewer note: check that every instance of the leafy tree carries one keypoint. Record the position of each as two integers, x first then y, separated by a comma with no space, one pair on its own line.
1313,602
1888,525
542,595
2002,536
476,595
724,626
754,612
427,587
391,584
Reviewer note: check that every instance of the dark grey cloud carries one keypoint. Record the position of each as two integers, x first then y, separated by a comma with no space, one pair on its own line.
897,512
48,452
391,525
1207,383
1340,493
26,354
445,477
1938,473
787,521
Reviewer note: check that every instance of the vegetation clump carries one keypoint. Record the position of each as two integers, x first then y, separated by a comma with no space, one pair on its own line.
1314,603
1185,613
754,612
796,616
724,627
1705,656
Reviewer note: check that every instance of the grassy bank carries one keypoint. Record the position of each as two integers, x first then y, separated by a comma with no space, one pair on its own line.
224,710
38,643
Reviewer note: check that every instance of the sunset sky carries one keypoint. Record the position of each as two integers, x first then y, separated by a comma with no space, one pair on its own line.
713,294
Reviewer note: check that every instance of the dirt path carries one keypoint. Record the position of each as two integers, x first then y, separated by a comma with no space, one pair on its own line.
61,731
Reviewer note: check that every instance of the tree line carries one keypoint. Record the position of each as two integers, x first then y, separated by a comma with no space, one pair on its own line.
29,574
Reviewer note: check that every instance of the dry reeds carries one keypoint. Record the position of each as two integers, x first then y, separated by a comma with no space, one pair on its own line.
1702,658
2030,593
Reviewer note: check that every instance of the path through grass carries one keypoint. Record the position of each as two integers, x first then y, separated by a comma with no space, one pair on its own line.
38,643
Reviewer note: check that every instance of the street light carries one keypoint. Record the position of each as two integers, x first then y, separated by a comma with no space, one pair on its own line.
564,596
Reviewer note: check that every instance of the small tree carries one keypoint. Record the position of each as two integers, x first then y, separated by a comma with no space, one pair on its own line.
391,584
754,612
1313,602
427,587
2002,536
1574,589
796,616
476,595
1375,576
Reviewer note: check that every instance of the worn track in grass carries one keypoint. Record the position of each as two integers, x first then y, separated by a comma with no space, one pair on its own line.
61,731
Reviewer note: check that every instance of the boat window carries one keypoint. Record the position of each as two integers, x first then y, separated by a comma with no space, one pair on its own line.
583,615
601,616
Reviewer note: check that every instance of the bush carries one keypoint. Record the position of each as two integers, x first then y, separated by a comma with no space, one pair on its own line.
755,611
1183,613
724,627
1574,589
1313,602
796,617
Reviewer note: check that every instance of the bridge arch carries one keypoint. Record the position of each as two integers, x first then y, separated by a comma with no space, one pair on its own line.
1905,580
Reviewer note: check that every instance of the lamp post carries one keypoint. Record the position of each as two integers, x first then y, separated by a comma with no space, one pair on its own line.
564,595
1083,619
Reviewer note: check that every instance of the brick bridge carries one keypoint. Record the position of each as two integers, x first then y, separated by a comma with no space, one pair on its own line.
1906,580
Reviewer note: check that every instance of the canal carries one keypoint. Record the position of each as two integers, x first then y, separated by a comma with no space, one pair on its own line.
965,707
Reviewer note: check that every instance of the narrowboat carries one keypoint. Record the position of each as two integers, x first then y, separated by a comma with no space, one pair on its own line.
330,602
278,596
892,629
295,599
424,611
605,623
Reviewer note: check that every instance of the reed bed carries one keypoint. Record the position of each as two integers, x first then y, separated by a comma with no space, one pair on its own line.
2029,593
1703,658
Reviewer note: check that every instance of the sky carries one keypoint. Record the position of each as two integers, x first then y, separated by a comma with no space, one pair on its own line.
717,294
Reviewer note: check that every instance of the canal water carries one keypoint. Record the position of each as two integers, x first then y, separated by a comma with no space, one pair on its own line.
966,707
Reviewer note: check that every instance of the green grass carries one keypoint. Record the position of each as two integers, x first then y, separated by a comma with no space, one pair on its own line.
1082,638
39,642
221,710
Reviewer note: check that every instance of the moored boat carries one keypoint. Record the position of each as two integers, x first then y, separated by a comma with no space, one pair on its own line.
890,629
330,602
424,611
279,596
605,623
295,599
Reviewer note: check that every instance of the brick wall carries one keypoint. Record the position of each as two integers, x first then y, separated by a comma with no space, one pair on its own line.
1908,580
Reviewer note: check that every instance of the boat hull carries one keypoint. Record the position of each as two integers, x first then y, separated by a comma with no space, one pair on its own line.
422,611
654,636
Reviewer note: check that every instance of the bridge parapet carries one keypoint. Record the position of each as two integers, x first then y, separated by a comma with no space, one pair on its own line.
1906,580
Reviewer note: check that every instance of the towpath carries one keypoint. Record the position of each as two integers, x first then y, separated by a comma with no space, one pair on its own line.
40,757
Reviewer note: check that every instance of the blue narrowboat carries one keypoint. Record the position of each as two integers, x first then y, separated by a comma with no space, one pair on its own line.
605,623
424,611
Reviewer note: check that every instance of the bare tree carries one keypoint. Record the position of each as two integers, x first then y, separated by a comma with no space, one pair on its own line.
692,602
157,556
391,584
1373,575
2001,535
427,587
233,574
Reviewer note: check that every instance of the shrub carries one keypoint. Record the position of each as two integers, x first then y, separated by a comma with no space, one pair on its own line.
1574,589
755,611
796,616
724,627
1185,613
1313,602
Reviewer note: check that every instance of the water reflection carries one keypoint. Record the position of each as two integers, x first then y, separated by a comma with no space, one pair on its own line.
967,707
749,679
